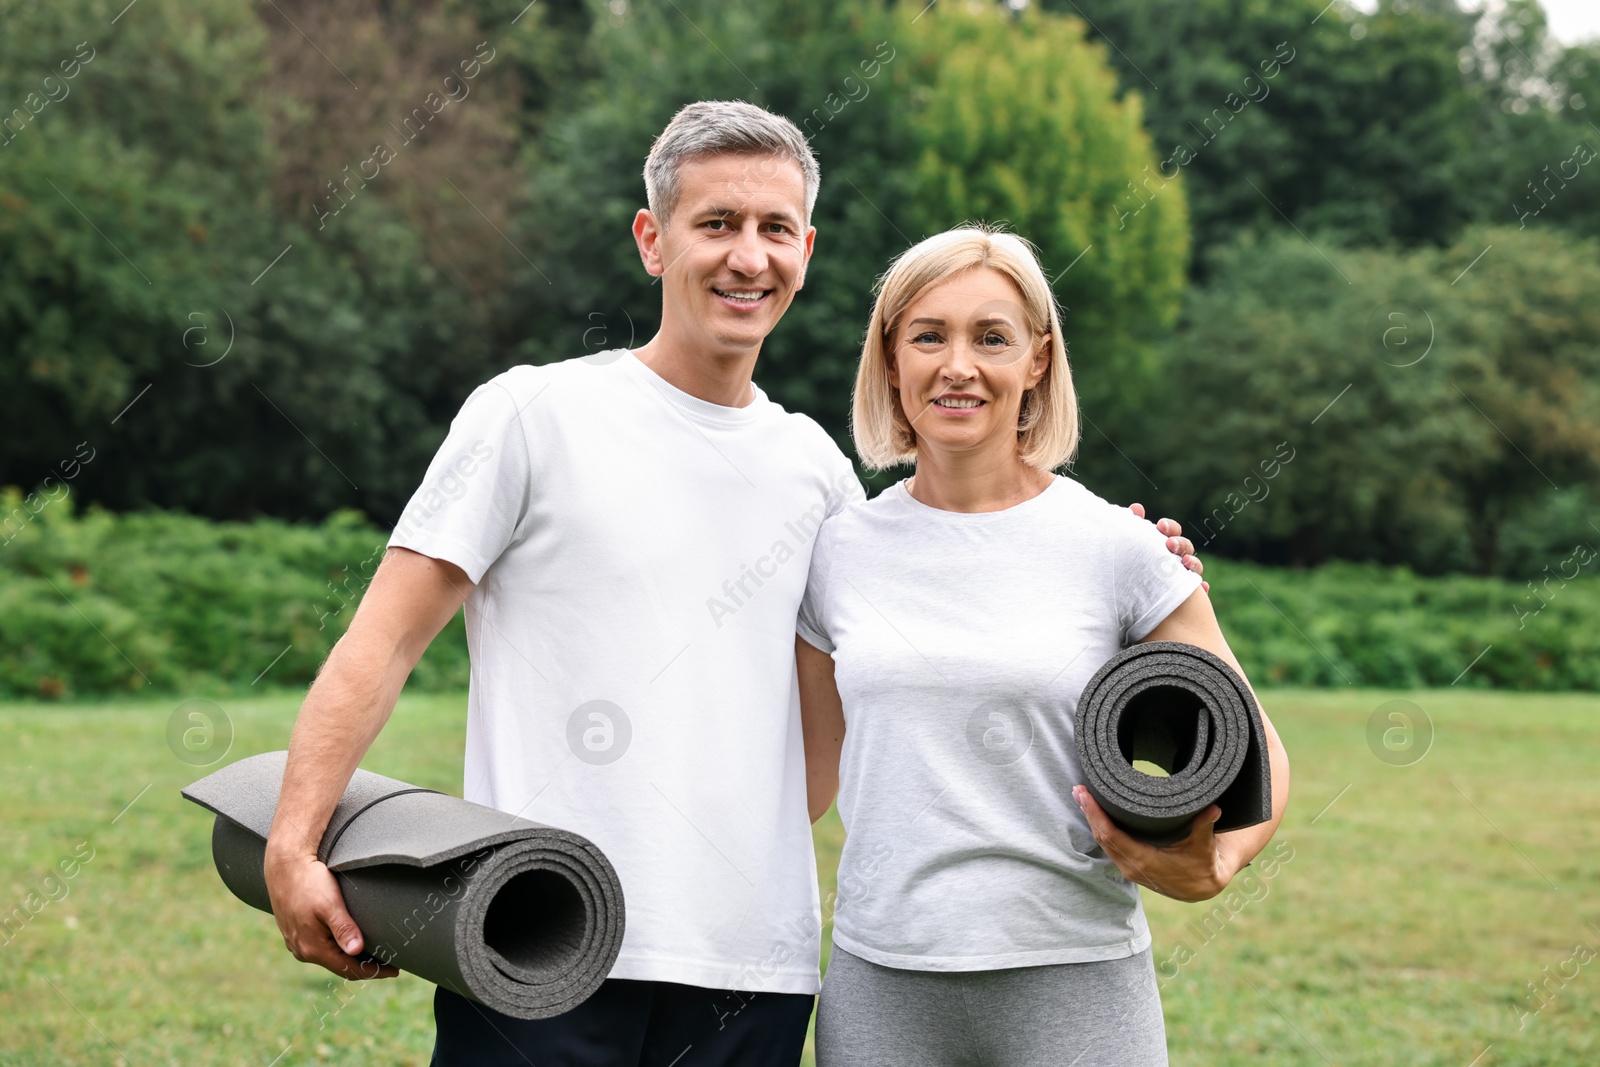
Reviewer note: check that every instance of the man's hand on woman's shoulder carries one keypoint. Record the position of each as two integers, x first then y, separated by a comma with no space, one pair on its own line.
1177,544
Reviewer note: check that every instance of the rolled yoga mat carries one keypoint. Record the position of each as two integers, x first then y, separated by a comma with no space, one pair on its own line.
523,918
1183,709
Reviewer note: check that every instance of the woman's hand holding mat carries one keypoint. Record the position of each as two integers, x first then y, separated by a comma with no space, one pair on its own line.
1193,869
1178,699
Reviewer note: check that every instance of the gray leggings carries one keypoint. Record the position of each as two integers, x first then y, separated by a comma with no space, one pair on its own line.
1101,1014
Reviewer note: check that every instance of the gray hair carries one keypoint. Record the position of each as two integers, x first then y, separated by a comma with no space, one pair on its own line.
718,127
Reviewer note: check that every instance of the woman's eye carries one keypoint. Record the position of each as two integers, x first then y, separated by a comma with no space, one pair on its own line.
929,338
995,340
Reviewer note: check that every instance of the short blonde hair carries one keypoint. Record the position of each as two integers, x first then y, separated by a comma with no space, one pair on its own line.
1047,428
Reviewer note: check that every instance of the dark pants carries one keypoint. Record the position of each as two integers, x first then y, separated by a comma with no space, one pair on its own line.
629,1024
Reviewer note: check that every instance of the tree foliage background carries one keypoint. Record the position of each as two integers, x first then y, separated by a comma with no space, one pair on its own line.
1257,214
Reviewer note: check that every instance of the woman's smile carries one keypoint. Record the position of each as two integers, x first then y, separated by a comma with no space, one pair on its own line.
959,405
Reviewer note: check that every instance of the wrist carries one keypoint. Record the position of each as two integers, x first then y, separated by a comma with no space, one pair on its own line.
283,852
1229,862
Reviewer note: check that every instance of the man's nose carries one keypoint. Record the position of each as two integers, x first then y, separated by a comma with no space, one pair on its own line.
748,256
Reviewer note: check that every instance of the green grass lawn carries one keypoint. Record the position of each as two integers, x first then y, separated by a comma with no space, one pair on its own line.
1405,927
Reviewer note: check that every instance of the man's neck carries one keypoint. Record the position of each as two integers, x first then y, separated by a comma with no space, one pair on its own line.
716,379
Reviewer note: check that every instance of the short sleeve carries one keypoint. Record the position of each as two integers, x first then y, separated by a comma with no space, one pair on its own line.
846,489
1149,582
812,623
474,498
843,488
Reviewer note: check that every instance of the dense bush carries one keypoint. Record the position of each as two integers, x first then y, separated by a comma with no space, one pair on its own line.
1368,625
159,602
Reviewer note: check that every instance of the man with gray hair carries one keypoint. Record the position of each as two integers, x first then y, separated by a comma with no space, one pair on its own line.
630,534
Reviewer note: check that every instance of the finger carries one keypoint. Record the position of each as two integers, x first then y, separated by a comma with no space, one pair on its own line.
1184,546
373,969
1170,527
328,955
1101,827
342,928
1091,811
342,933
1123,850
1206,586
360,970
1201,838
1137,509
1090,807
1195,564
1106,833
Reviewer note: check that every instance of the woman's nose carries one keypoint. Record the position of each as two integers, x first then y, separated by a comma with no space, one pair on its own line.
961,359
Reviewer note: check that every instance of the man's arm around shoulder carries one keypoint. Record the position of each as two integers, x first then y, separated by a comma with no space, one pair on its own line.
410,599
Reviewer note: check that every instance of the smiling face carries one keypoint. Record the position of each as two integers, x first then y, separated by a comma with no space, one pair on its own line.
733,254
961,358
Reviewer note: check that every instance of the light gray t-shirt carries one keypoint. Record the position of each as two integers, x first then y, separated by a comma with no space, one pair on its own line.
961,643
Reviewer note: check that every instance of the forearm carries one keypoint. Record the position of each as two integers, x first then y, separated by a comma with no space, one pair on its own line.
822,726
822,768
347,706
1194,622
1239,847
820,794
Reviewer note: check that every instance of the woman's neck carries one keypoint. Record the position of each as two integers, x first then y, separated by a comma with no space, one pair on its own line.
974,483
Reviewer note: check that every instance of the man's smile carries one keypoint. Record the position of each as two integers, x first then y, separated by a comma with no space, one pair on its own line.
743,299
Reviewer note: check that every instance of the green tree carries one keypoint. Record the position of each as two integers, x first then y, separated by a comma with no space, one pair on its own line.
918,128
167,205
1293,109
1402,124
1538,157
1528,313
1040,141
1363,404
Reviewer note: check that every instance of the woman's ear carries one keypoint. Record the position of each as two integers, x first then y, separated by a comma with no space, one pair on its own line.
889,363
1041,360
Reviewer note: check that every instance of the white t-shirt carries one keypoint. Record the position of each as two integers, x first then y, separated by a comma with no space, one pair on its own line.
640,555
961,643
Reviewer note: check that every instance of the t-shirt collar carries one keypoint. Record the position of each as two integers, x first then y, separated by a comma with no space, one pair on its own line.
693,405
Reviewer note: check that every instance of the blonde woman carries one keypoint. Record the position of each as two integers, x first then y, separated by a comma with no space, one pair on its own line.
987,910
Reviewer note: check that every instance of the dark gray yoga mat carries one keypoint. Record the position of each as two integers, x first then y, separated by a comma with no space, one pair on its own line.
523,918
1183,709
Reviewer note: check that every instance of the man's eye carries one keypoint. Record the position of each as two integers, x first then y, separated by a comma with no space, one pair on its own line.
717,224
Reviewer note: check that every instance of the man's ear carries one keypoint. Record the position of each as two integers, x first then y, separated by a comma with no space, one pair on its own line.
810,240
647,235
